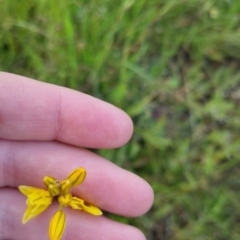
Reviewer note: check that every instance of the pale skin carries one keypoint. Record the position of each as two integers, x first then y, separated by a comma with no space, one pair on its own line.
48,130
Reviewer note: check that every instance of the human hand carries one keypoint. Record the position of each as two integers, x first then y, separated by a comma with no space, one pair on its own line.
45,130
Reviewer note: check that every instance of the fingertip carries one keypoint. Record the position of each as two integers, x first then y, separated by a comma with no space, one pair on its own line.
124,129
145,199
148,192
131,196
135,233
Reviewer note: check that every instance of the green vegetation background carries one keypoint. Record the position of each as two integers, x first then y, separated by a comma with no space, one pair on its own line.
173,67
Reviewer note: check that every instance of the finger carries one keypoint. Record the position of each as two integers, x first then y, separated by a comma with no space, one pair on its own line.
106,185
32,110
79,225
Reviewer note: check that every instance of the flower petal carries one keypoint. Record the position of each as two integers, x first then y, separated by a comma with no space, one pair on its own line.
38,200
80,204
33,211
27,190
42,197
57,225
77,176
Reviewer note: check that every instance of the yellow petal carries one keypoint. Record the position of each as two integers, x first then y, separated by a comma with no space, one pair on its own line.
41,197
38,200
77,176
49,180
33,211
26,190
80,204
65,199
92,209
76,203
65,186
57,225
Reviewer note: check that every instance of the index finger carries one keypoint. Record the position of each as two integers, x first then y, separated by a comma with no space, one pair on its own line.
32,110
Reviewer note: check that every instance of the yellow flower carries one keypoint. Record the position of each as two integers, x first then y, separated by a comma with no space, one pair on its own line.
39,199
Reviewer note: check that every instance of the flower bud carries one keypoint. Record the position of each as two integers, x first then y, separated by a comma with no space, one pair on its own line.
54,189
49,180
65,186
65,199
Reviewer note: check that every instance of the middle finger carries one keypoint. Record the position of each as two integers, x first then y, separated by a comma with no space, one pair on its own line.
106,185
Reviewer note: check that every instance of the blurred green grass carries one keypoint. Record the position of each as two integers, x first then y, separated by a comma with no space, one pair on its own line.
173,67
